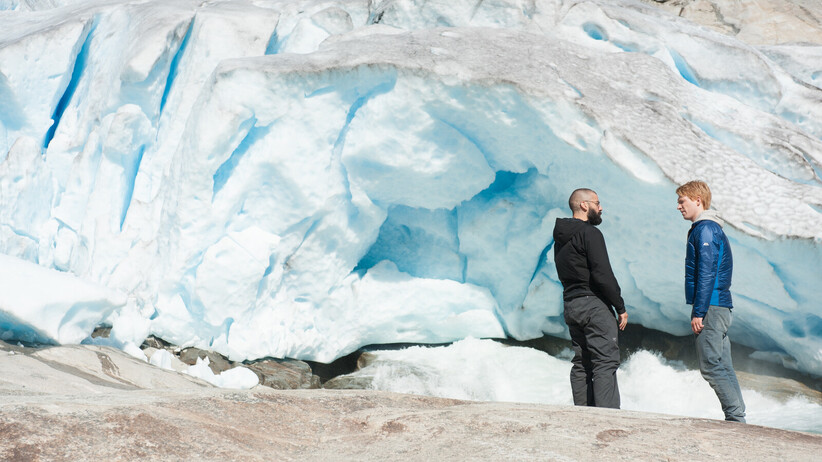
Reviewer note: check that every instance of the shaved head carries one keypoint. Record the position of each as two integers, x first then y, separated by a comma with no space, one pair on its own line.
578,196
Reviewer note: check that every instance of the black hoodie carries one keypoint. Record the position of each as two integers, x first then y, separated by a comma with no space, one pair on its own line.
582,263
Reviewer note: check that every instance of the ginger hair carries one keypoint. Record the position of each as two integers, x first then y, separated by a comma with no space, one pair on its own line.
696,189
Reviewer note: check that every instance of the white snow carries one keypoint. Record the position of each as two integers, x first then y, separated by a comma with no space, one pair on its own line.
484,370
303,178
43,305
162,359
239,377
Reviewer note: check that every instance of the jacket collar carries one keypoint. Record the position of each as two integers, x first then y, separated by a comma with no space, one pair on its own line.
709,215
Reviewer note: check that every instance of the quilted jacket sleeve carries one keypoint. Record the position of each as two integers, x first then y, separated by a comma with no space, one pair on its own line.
707,255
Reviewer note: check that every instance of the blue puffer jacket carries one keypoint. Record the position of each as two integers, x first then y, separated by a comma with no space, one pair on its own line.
708,265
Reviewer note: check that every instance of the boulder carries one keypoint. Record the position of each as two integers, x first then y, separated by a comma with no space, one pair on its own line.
217,362
284,374
157,343
354,381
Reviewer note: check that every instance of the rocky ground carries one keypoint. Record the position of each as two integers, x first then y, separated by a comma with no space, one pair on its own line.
96,403
757,22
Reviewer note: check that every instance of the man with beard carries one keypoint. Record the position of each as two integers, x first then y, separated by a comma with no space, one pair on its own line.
590,292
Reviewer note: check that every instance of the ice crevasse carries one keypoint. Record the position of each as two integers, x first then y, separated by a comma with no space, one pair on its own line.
300,179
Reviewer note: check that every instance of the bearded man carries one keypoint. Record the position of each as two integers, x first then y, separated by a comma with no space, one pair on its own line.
590,294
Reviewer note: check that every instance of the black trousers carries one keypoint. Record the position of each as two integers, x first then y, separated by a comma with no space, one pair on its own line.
594,334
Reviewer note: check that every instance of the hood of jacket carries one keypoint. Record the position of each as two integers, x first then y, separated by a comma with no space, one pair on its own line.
711,215
566,228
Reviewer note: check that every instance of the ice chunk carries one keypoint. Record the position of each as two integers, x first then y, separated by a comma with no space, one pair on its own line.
45,306
241,378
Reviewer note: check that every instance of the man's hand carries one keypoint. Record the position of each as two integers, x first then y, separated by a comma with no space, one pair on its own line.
696,325
623,321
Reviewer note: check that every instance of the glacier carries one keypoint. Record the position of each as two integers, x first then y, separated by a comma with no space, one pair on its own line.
303,178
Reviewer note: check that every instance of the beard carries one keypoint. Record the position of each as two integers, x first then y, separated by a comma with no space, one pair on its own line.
594,217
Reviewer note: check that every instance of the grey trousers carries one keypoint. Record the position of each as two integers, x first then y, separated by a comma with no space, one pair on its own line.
713,349
594,334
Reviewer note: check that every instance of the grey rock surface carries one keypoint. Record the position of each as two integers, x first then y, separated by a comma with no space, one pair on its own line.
763,22
349,382
95,403
217,362
80,370
284,374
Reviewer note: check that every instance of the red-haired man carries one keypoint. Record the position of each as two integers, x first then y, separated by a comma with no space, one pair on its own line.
708,271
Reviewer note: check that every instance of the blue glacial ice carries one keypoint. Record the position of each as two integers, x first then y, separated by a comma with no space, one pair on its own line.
300,179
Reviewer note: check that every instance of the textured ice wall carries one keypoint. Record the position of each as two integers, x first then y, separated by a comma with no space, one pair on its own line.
303,178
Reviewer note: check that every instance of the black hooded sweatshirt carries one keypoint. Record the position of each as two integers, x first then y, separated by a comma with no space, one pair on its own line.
582,263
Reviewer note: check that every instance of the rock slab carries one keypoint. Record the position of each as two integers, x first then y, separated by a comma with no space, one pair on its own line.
95,403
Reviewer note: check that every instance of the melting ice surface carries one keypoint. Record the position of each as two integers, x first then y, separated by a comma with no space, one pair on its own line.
303,178
484,370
